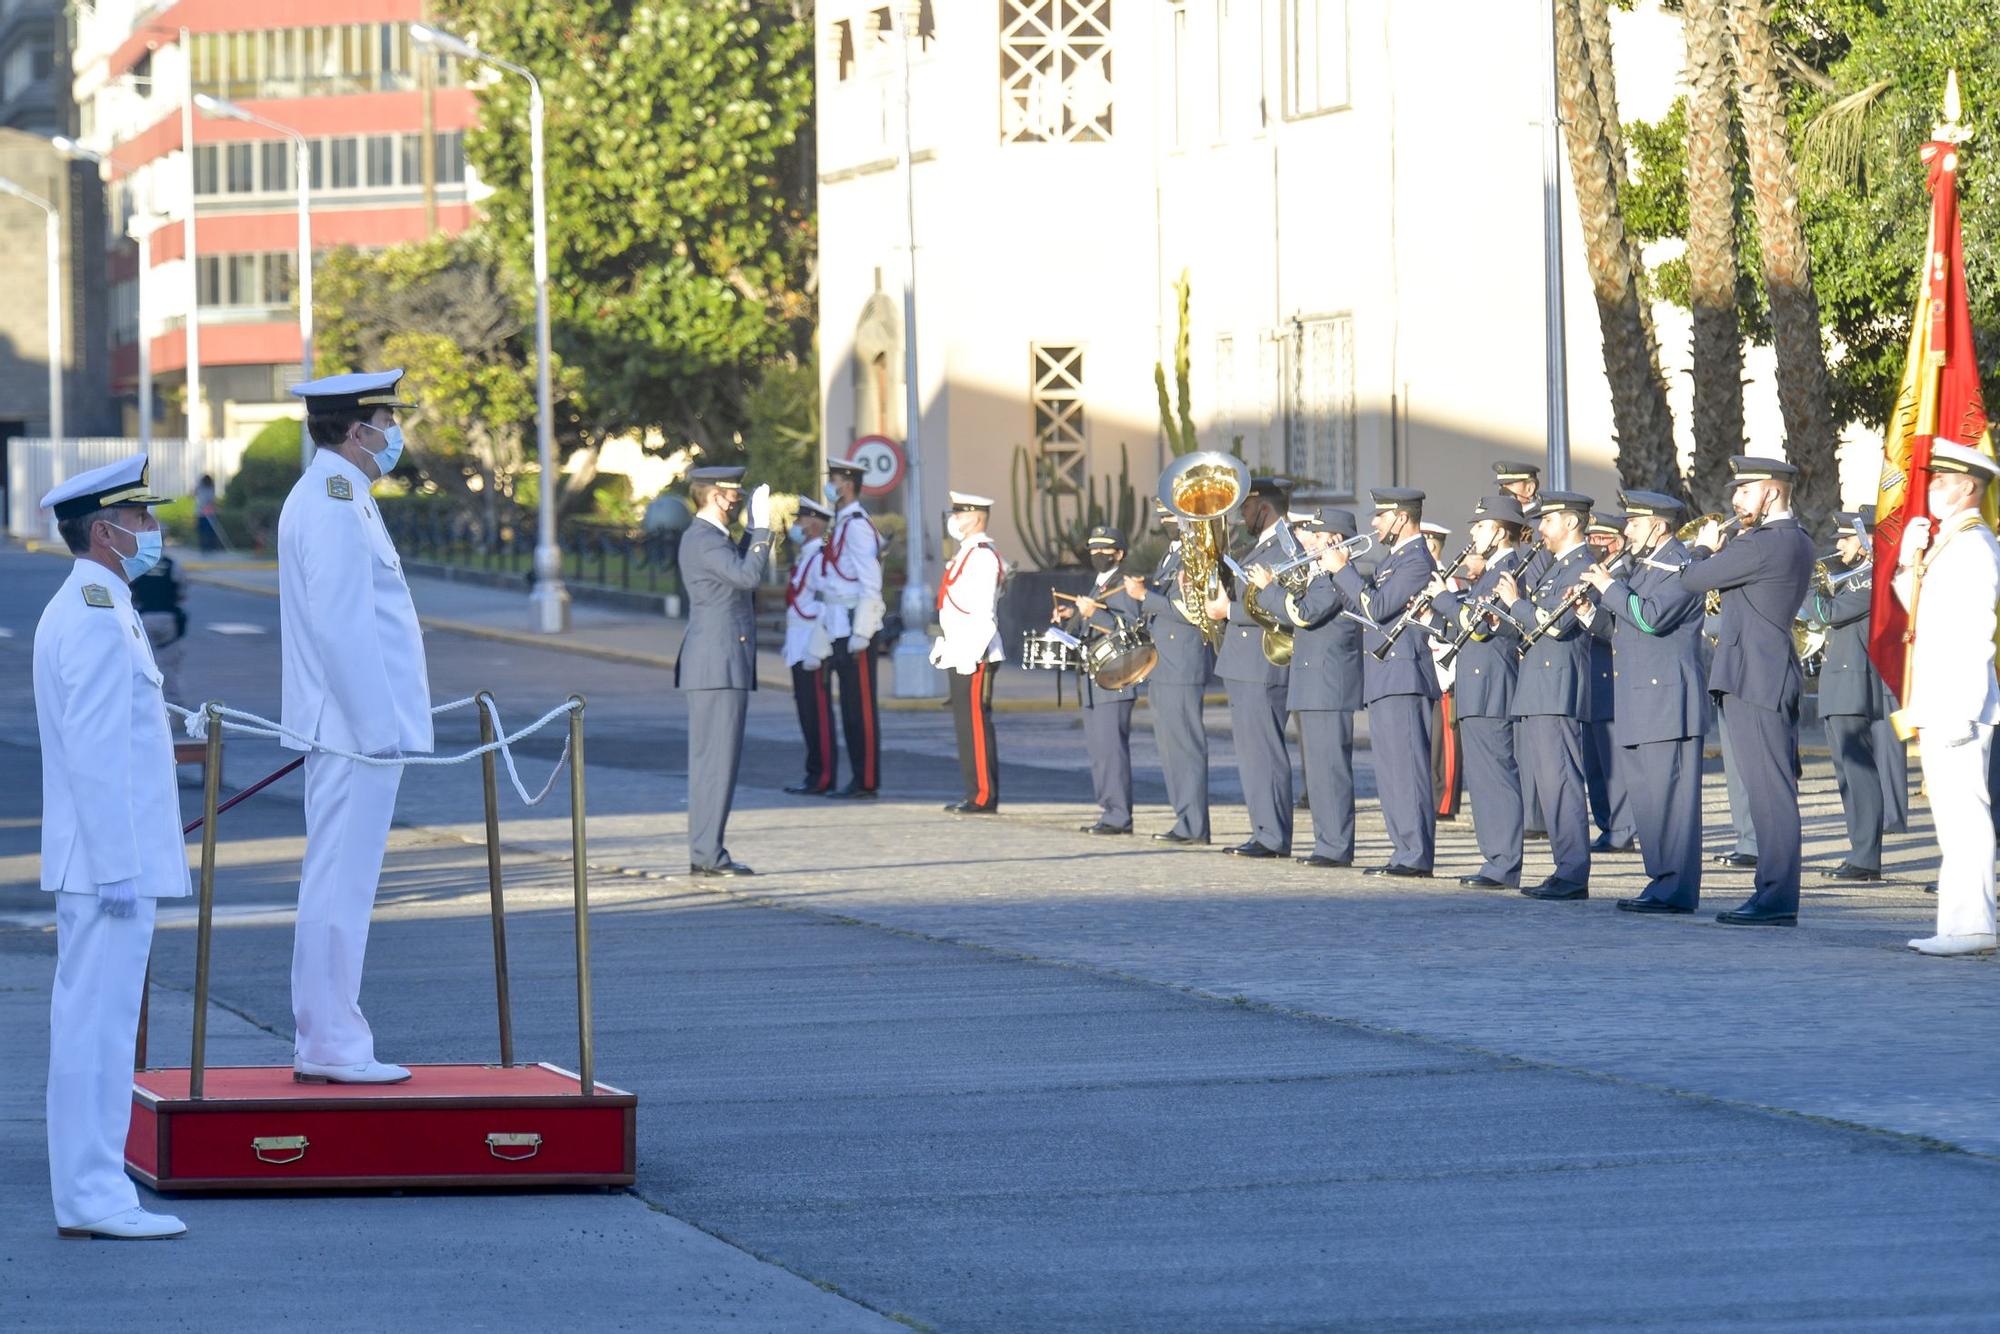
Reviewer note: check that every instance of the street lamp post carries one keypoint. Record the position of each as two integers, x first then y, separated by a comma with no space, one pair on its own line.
549,599
140,230
1555,353
302,170
53,218
197,415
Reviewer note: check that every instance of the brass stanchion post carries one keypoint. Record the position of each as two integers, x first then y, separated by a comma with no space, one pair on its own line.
211,784
487,736
145,1009
586,1075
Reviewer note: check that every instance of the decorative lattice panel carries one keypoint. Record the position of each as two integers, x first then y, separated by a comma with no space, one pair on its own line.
1055,71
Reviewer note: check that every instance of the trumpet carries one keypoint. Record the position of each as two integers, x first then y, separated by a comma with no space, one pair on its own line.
1355,547
1292,577
1830,583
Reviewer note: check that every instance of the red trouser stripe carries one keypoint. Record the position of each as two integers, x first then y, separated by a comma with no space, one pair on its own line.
980,759
822,693
867,673
1450,755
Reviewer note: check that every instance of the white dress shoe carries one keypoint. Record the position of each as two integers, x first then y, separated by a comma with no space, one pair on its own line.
370,1072
132,1225
1944,946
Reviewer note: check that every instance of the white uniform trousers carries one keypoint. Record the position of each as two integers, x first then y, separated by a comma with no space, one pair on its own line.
93,1026
1961,807
349,808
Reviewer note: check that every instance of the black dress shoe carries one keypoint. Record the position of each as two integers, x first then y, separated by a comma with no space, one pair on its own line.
1746,917
1532,834
1102,828
1317,860
1481,882
1171,836
853,793
966,808
1859,873
728,866
1742,860
1603,843
1400,872
1642,904
807,790
1251,849
1555,889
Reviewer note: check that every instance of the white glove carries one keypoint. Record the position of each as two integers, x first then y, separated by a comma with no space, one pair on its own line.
1916,536
937,653
120,898
760,507
810,664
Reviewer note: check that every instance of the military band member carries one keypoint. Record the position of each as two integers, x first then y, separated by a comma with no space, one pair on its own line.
806,646
967,646
849,584
1604,780
1484,672
1256,686
1948,575
717,666
1552,692
1398,687
111,840
1323,688
1654,627
1854,704
354,680
1762,574
1447,759
1174,696
1115,598
1523,482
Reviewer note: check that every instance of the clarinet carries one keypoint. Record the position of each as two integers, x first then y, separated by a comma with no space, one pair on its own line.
1548,622
1525,552
1419,606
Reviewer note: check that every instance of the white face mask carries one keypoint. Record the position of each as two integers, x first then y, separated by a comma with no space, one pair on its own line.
954,528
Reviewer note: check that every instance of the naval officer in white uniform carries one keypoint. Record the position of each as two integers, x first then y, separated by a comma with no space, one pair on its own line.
354,680
1949,568
111,840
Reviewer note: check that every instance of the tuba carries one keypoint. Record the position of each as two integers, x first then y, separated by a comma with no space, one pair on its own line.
1202,490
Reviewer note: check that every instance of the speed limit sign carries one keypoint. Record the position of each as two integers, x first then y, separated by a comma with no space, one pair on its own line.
881,461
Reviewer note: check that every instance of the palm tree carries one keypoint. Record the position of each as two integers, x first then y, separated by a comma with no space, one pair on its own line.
1643,424
1804,394
1711,252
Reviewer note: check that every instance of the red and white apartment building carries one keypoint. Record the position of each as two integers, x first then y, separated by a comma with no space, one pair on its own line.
385,120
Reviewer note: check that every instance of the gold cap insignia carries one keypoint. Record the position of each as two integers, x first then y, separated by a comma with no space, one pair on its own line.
97,595
340,488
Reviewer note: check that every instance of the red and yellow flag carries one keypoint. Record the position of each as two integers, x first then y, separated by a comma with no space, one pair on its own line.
1939,399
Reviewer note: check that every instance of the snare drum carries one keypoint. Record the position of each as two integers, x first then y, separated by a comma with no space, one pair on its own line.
1121,657
1039,653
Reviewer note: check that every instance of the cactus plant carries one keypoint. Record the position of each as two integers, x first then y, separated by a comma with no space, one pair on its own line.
1054,525
1177,417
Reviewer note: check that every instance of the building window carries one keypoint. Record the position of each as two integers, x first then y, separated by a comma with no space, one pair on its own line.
1319,444
344,164
275,161
254,282
239,169
411,149
1055,71
1061,436
451,158
371,162
311,62
1315,52
381,159
207,173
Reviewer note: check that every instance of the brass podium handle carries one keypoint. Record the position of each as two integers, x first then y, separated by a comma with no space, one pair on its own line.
265,1145
529,1141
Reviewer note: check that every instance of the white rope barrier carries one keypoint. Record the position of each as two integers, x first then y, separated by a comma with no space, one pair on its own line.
195,723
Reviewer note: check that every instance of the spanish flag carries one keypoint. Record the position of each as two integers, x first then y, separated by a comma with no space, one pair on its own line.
1939,398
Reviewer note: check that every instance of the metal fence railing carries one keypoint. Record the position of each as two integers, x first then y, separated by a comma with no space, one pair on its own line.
631,559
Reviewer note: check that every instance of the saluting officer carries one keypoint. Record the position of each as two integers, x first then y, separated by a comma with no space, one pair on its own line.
1255,685
1854,707
1604,779
1552,692
806,648
1324,690
1399,686
1762,575
1115,598
967,646
849,584
1174,696
1485,670
717,666
355,680
111,840
1654,627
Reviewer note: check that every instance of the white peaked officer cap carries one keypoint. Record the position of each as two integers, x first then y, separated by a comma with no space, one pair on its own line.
120,483
1955,458
965,500
357,392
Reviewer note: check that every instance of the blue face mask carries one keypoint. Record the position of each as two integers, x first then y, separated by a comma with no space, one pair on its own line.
797,534
148,548
831,492
392,448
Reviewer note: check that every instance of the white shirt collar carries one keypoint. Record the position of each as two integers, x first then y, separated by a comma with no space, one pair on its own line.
333,461
851,507
1267,534
93,573
1413,537
709,519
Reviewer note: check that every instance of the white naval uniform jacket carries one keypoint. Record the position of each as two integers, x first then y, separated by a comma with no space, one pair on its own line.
968,618
354,672
848,582
1951,682
111,807
803,609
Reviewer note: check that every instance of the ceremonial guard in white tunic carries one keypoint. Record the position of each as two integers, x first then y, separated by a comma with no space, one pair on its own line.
355,680
1398,677
1654,626
1869,760
967,647
849,585
1487,660
1323,690
717,666
111,840
1174,696
1755,675
1603,772
1948,575
1552,690
812,683
1255,684
1115,598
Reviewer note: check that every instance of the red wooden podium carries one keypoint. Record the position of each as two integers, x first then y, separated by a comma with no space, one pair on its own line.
250,1128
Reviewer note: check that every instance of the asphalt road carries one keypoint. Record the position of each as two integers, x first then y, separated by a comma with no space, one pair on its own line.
863,1099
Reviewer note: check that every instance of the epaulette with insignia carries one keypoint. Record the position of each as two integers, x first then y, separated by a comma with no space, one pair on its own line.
97,595
340,488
